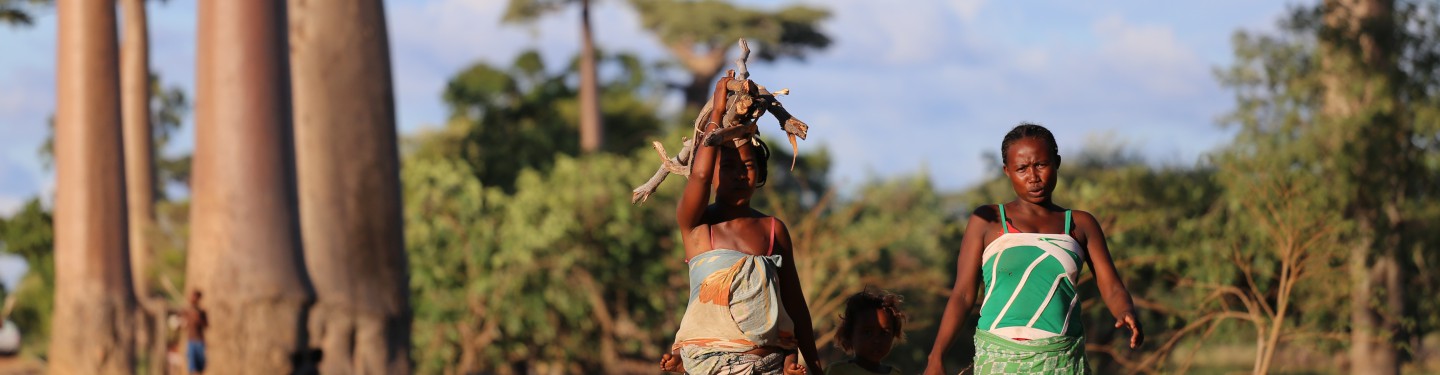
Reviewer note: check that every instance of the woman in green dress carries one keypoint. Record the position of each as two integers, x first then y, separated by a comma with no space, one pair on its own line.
1027,256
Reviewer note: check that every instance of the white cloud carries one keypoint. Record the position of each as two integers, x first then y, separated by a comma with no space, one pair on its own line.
1033,60
1151,53
882,33
967,9
10,205
915,33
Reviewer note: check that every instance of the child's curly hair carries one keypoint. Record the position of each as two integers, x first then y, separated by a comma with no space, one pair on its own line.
870,299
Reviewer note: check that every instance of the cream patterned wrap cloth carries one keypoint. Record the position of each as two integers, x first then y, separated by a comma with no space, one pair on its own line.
734,307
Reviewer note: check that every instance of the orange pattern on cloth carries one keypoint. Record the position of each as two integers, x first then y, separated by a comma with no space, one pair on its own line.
734,307
716,287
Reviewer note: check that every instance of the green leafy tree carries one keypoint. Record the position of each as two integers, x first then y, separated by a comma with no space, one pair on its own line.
503,120
1348,91
700,33
21,12
563,275
592,129
169,107
892,234
474,192
30,234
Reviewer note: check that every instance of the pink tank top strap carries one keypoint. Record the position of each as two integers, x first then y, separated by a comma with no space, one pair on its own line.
771,251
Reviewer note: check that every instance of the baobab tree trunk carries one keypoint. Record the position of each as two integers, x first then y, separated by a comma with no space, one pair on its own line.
592,131
349,184
139,161
94,305
140,175
245,251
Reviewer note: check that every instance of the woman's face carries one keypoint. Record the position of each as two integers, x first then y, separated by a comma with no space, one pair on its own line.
737,172
874,335
1032,169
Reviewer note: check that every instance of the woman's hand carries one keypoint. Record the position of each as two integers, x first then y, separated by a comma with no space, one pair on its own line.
935,367
1128,321
670,362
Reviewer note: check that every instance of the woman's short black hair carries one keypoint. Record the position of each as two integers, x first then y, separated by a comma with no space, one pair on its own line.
762,162
1027,130
870,299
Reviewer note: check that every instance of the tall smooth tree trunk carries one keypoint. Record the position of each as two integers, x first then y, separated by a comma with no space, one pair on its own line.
245,254
592,131
140,174
349,186
139,161
94,305
1358,57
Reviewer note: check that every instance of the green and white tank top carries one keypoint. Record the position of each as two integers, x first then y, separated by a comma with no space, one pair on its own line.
1030,284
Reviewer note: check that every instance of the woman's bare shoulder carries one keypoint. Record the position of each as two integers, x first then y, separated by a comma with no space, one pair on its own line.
989,213
1084,219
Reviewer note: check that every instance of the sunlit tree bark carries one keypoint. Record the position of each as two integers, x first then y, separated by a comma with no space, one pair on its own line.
94,306
592,130
348,170
244,253
140,173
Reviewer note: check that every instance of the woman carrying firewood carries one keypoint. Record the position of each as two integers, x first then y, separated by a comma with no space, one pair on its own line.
746,313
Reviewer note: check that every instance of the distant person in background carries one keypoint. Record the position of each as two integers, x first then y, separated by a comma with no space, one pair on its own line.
746,313
1027,254
871,325
195,323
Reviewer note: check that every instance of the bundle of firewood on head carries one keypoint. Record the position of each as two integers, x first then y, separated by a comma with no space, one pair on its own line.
745,101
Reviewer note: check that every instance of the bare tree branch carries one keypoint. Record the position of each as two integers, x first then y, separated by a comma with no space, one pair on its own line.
746,101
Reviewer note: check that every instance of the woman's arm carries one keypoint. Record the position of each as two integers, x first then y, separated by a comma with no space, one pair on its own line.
794,299
1112,289
967,277
696,196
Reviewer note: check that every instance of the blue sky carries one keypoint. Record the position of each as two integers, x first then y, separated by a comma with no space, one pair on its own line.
928,86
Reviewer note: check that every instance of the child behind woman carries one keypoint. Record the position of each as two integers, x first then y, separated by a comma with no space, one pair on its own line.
871,325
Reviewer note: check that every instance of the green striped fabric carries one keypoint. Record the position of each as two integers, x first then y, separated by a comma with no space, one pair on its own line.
995,355
1030,284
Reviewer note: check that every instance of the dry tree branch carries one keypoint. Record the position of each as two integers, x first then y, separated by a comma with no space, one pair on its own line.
681,159
1199,342
673,164
741,69
746,101
1151,361
1248,272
